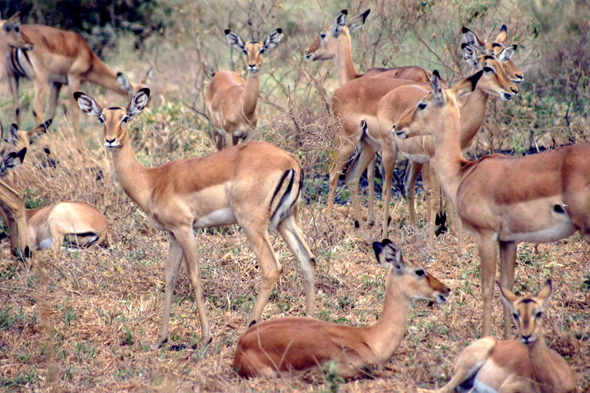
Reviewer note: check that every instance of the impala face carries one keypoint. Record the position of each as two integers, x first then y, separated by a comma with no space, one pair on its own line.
13,34
19,139
11,161
414,281
527,312
114,118
254,49
325,47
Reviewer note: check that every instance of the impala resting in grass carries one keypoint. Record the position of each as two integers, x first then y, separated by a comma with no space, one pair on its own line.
286,345
526,365
231,104
59,58
501,199
252,184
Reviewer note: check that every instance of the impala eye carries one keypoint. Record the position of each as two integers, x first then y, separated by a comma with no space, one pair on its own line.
323,35
261,51
488,69
17,29
538,314
101,119
515,315
420,272
421,106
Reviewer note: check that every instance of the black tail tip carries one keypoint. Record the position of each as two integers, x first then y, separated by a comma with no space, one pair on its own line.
251,324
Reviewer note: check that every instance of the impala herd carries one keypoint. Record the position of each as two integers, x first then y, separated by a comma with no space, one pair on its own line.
258,186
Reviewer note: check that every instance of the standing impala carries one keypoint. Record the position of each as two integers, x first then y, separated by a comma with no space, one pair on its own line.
526,365
232,105
501,199
284,345
252,184
59,58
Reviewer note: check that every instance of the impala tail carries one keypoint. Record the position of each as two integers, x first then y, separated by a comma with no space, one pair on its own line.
286,196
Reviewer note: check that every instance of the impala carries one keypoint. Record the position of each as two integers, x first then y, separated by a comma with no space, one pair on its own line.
526,365
252,184
231,104
500,199
17,139
285,345
496,82
59,58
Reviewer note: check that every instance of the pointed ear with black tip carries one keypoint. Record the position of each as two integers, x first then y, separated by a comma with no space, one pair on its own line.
12,160
87,104
436,85
339,23
124,83
272,40
468,85
507,296
507,53
138,102
147,77
235,40
389,255
472,39
38,130
358,21
470,55
14,20
502,36
545,293
12,134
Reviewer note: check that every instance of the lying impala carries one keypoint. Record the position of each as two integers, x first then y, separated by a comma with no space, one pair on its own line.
285,345
500,199
525,366
252,184
231,104
59,58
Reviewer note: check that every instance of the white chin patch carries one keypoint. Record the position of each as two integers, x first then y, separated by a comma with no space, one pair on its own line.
46,243
505,97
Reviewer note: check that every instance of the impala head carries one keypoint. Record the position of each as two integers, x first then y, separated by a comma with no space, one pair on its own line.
431,113
497,49
114,119
13,35
132,88
17,139
527,311
325,46
12,160
495,80
254,49
413,280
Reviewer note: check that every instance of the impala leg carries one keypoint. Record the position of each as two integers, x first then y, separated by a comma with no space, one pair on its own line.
294,238
487,252
415,168
518,384
41,87
13,82
371,180
53,99
269,264
361,162
507,266
174,259
471,360
229,139
435,201
342,156
389,157
186,240
458,225
74,86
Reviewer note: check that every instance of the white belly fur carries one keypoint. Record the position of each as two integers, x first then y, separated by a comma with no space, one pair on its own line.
480,387
559,231
419,158
217,218
46,243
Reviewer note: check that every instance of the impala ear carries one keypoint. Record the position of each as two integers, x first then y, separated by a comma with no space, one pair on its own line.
339,23
472,39
235,40
1,130
12,160
272,40
147,77
470,55
545,293
436,85
389,255
87,104
468,85
138,102
507,53
14,20
507,296
12,134
38,130
358,21
502,36
124,83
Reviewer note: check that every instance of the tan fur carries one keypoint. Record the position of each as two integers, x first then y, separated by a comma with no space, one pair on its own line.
231,104
526,365
248,184
289,345
60,58
537,198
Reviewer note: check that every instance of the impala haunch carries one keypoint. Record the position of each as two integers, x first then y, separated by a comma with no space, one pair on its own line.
231,104
502,199
253,184
525,365
287,345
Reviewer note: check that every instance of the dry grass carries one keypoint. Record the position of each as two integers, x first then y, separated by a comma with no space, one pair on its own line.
85,320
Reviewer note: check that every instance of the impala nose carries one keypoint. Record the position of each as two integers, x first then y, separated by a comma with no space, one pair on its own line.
526,339
110,141
520,78
309,57
515,91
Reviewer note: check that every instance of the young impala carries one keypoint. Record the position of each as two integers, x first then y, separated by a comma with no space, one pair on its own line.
59,58
501,199
285,345
526,365
252,184
231,104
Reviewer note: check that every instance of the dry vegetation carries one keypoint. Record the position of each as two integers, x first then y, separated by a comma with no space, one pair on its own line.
85,319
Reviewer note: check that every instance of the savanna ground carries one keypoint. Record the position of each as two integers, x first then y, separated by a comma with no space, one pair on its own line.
85,320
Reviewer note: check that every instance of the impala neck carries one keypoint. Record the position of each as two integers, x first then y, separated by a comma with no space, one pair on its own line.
344,64
385,336
250,93
104,76
473,113
545,371
133,177
448,159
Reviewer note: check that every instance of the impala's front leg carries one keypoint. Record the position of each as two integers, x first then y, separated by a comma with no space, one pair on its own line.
486,243
342,155
229,139
186,240
174,259
389,157
53,99
74,85
366,156
507,266
41,87
13,82
415,168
